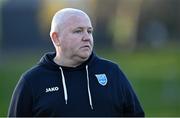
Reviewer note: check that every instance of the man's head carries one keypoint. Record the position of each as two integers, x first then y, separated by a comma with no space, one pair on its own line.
71,33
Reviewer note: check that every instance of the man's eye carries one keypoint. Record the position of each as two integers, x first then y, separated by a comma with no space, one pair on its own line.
78,31
90,31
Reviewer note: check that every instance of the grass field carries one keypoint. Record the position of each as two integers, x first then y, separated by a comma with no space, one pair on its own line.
155,76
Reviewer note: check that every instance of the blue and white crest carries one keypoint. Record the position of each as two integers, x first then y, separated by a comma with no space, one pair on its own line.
102,79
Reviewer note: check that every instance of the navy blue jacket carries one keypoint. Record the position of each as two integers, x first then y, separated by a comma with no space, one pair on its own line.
95,88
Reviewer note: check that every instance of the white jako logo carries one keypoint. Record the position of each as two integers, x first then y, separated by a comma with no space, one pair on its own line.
52,89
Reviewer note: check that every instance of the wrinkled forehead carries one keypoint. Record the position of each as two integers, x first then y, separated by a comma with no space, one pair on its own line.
77,20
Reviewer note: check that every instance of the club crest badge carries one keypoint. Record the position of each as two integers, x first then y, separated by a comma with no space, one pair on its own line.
102,79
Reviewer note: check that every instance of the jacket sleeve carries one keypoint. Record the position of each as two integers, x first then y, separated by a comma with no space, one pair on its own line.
21,101
131,104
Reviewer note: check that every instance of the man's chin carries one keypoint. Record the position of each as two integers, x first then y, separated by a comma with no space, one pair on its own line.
85,56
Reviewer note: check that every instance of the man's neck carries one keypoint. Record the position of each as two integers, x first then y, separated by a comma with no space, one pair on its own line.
67,62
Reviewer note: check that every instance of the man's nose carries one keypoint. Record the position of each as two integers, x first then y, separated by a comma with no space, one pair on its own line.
86,36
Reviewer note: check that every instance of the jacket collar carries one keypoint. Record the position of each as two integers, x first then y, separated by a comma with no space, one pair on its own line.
47,61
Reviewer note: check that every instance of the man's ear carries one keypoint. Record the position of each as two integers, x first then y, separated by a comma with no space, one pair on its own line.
54,37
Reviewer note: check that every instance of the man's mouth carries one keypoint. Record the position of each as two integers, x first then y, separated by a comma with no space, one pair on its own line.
86,46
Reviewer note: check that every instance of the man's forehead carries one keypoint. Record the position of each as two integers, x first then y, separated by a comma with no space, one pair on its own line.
77,21
76,17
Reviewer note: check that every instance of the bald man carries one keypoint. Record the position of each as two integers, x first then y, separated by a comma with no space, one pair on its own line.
73,81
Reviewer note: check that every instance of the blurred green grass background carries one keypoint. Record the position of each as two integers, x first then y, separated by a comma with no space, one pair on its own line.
154,74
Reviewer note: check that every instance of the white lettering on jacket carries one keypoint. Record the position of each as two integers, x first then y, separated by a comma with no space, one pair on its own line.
52,89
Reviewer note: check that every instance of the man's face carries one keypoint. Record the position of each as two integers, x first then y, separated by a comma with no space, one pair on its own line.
76,37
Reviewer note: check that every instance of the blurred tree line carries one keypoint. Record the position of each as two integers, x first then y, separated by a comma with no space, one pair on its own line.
119,24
